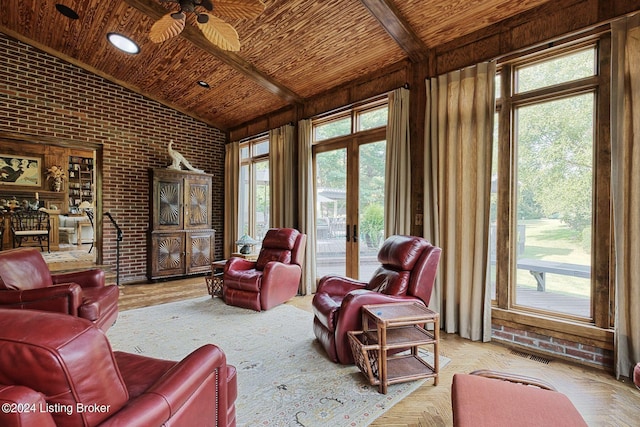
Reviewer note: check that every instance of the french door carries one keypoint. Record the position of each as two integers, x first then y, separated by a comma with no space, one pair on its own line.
349,194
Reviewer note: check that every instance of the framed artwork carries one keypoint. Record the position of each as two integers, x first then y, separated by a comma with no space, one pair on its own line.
20,170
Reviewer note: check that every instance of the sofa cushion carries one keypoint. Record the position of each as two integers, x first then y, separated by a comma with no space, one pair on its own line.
57,364
23,269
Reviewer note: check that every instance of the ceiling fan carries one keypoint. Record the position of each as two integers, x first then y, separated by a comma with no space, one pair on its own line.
217,31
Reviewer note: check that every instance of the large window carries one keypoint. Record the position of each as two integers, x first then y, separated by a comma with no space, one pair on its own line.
254,188
550,185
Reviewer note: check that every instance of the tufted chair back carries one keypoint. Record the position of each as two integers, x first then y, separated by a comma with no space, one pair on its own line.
408,267
279,244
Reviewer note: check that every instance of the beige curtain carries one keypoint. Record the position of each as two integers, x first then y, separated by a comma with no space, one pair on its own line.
307,211
231,191
458,134
625,158
282,177
397,212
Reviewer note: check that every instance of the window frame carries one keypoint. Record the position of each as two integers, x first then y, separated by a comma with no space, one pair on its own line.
597,330
251,161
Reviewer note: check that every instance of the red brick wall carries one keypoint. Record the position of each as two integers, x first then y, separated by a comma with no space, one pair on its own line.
554,347
44,96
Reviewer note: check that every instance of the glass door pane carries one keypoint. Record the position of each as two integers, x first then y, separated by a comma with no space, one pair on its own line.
554,205
331,211
371,208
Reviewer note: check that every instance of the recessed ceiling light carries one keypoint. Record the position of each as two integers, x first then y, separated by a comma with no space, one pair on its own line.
203,84
123,43
67,11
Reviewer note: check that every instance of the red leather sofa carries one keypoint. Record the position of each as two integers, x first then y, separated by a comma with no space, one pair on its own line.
408,271
271,280
59,370
27,283
636,375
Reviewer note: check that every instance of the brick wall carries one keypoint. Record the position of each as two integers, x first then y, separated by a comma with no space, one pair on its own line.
42,95
554,347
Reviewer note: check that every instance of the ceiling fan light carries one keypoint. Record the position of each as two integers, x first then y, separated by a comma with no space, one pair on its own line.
203,18
123,43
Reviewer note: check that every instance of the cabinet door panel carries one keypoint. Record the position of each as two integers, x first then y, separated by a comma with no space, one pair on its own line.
198,202
201,255
169,206
167,253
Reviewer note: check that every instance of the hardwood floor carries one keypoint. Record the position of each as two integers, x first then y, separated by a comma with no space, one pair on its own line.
598,396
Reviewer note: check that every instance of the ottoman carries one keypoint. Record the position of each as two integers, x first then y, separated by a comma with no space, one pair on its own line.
495,399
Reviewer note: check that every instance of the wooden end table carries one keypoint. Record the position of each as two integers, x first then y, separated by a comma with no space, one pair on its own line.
403,325
215,280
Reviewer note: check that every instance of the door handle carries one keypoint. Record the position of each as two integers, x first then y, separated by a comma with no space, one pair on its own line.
355,233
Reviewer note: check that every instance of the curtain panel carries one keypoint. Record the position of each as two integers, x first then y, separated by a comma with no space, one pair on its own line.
625,177
282,177
306,205
397,210
458,133
231,191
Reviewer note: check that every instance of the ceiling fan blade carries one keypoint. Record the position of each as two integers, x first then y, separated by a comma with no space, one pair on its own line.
170,25
220,33
238,9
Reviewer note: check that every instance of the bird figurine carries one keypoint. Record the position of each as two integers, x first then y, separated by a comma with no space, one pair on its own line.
178,159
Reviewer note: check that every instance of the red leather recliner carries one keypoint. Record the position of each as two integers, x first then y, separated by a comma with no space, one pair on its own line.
271,280
59,370
407,273
27,283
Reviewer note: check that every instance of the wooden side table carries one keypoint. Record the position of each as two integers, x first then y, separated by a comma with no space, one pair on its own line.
215,280
397,326
248,257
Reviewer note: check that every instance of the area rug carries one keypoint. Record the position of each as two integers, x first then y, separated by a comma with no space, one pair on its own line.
69,255
284,376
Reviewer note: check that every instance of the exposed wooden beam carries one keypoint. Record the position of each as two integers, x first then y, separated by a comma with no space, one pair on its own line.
192,34
397,26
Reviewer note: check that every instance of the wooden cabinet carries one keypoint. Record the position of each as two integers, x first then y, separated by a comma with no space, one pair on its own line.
181,240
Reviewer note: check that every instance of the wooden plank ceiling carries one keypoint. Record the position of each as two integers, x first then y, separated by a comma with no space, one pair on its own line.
294,50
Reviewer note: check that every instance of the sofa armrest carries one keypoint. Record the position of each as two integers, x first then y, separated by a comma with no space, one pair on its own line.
61,298
22,406
281,274
177,387
351,308
339,285
237,263
93,278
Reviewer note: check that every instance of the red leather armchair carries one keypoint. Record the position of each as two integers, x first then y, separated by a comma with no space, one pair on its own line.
27,283
408,270
59,370
271,280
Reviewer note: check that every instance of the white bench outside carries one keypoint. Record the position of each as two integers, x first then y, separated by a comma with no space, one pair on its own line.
538,268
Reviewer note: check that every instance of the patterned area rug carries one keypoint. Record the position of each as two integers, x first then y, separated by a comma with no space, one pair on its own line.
284,377
69,255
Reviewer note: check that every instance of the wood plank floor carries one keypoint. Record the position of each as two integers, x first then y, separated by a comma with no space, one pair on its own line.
598,396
